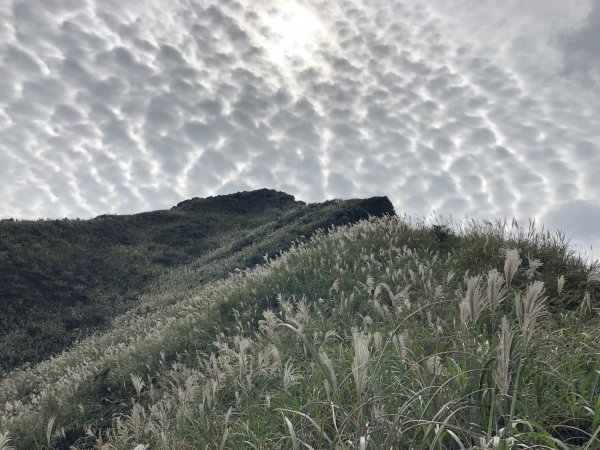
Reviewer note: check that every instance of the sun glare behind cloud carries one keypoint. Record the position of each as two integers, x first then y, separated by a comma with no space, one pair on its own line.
294,31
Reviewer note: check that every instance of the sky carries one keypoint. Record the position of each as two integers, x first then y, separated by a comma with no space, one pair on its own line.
469,108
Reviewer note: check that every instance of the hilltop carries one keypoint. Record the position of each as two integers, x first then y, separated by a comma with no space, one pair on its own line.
61,280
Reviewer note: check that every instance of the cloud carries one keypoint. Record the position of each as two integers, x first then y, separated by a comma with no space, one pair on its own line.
338,186
580,49
480,109
580,220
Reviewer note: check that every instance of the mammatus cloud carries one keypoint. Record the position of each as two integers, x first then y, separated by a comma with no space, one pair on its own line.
471,109
581,52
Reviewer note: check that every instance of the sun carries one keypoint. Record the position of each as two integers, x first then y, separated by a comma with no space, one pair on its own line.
293,33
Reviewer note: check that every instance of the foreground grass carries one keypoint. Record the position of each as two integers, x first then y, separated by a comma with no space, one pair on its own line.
386,334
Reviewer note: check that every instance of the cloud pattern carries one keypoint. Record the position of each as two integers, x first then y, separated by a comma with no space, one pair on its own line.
484,111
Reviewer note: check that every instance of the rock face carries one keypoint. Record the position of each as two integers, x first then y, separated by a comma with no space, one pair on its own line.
361,209
378,206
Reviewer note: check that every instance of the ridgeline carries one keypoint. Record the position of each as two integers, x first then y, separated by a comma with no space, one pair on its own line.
61,280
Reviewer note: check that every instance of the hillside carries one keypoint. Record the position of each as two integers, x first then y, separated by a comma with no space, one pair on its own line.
61,280
385,334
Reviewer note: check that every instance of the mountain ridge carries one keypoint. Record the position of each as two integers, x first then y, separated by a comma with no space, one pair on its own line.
61,280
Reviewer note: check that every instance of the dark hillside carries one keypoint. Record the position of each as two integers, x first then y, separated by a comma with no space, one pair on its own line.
63,279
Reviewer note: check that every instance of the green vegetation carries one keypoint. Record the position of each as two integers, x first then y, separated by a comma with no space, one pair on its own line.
389,333
61,280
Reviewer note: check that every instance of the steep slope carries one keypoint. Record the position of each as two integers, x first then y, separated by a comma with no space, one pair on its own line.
60,280
384,334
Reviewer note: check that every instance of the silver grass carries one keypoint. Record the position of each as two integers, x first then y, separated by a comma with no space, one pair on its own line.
370,284
496,291
400,301
439,327
378,341
363,443
269,322
269,359
400,344
330,335
49,429
138,383
137,419
560,283
511,265
243,344
359,364
335,287
5,442
594,275
534,265
383,311
289,375
502,371
473,302
378,412
530,309
438,294
384,286
226,432
586,304
303,312
434,365
286,307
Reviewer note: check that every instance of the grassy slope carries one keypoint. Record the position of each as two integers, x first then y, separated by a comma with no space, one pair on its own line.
232,252
60,280
354,339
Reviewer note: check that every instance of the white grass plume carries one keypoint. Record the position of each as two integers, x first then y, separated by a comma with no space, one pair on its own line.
534,265
269,322
473,302
434,365
289,375
50,429
502,372
138,383
530,309
496,292
400,344
359,365
560,284
511,265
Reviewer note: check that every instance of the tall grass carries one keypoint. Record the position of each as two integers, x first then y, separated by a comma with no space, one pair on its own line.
386,334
